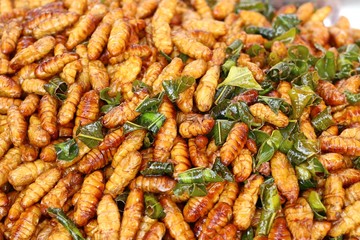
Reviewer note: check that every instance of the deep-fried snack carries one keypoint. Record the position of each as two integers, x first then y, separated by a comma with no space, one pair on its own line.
17,125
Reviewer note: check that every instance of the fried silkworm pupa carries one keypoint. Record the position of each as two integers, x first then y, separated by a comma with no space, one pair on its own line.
47,113
33,53
29,152
119,37
42,185
234,143
90,195
36,134
145,226
65,188
198,207
108,217
92,229
348,116
264,113
34,86
161,184
146,8
217,28
197,151
70,71
244,206
349,219
242,165
156,231
99,77
230,193
284,176
152,73
174,220
337,144
202,8
334,197
9,88
223,8
112,139
5,67
4,204
320,230
132,215
59,232
10,36
54,65
299,218
96,159
25,226
124,172
348,176
205,91
352,194
68,108
202,125
170,72
279,230
332,161
29,105
17,125
330,94
180,156
48,153
16,208
88,109
5,141
9,162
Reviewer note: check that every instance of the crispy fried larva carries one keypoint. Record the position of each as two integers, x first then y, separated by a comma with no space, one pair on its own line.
29,105
198,207
205,91
217,28
229,193
305,11
349,115
152,73
5,67
279,230
63,191
284,176
197,151
28,172
48,153
119,37
70,71
330,94
90,195
202,125
352,194
320,230
47,113
299,218
334,197
10,36
124,112
336,144
112,139
108,217
68,108
29,152
161,184
5,104
33,53
223,8
348,221
244,206
146,8
332,161
86,25
125,171
170,72
34,86
234,143
17,125
180,156
25,226
156,231
9,162
264,113
9,88
59,232
174,221
145,226
95,160
36,134
99,77
132,214
348,176
204,37
202,9
242,165
54,65
92,229
42,185
254,18
161,31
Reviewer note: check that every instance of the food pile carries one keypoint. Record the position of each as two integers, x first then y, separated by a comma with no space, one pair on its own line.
171,119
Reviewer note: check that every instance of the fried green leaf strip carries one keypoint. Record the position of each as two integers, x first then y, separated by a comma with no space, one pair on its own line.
174,87
67,150
240,77
56,88
158,169
221,131
199,175
316,205
90,134
191,189
67,223
323,120
150,104
153,208
222,170
111,101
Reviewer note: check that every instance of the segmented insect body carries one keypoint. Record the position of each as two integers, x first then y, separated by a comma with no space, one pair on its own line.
17,125
334,197
108,218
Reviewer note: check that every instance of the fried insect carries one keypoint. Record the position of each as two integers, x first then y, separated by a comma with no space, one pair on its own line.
88,109
180,156
112,139
132,214
234,143
230,193
299,218
95,160
157,231
62,192
36,134
320,230
108,218
349,115
217,28
5,104
332,161
54,65
5,141
204,37
99,77
161,184
201,125
336,144
33,53
279,230
34,86
152,73
9,88
205,91
334,197
90,195
284,176
170,72
242,165
145,226
348,221
197,151
264,113
9,162
5,67
47,113
244,206
70,71
330,94
25,226
223,8
119,37
17,125
29,105
174,220
124,112
348,176
146,8
48,153
125,171
352,194
68,108
10,36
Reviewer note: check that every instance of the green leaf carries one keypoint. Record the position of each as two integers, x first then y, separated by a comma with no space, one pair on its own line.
267,86
302,149
130,127
347,61
287,70
267,33
192,189
287,37
183,57
111,101
222,170
56,88
352,98
224,92
301,97
255,49
316,205
275,104
326,66
221,130
138,85
268,148
153,208
148,140
323,120
248,234
150,104
259,136
356,163
158,169
309,79
199,175
240,111
67,151
90,134
285,22
259,6
219,111
121,200
298,52
240,77
174,87
235,47
167,57
67,223
151,121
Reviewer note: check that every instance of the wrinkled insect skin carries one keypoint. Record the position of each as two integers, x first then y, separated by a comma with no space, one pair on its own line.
279,230
264,113
161,184
330,94
337,144
242,165
200,126
349,220
320,229
334,197
108,218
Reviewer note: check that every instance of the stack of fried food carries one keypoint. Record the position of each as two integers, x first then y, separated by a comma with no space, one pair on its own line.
171,119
